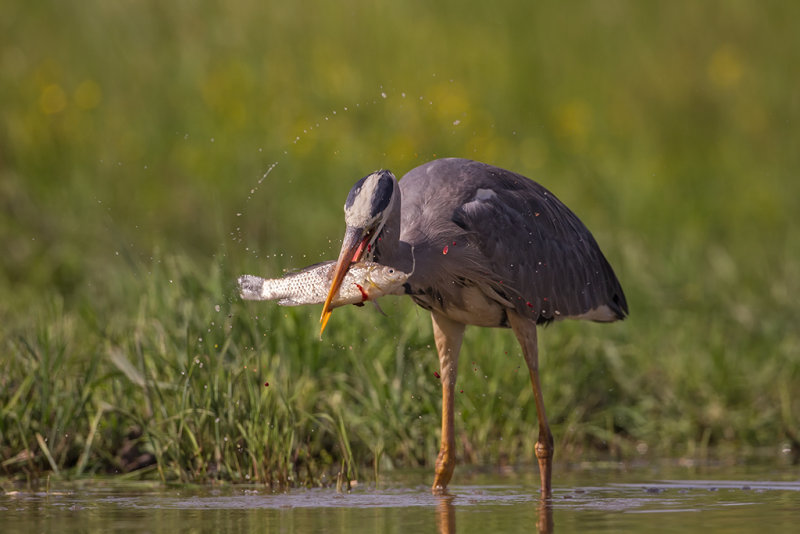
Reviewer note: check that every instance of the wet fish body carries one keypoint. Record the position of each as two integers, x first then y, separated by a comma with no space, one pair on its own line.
364,281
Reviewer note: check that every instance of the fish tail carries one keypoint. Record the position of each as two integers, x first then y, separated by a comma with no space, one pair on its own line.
251,287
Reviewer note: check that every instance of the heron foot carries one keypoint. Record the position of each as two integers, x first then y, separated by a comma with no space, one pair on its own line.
445,465
439,490
544,456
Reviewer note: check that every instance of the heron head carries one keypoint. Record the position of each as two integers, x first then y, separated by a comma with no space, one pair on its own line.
366,211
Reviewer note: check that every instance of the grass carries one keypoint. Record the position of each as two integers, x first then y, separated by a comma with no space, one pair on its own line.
210,388
150,154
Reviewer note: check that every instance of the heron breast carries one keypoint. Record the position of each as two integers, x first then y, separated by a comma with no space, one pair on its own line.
466,305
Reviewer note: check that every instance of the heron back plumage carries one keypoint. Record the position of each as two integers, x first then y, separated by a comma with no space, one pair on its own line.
507,236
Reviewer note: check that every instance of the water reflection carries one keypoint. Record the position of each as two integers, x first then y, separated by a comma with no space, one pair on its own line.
545,521
626,505
446,515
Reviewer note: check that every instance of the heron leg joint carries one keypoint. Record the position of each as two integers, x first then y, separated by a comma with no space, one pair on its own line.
445,465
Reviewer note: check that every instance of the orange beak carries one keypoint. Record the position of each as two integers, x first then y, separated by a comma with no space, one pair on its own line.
352,249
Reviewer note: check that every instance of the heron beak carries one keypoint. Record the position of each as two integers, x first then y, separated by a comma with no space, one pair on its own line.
353,245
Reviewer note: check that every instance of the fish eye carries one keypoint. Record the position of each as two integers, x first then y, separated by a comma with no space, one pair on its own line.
391,271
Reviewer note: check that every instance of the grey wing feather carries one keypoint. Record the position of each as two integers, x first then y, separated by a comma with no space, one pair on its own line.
524,244
540,249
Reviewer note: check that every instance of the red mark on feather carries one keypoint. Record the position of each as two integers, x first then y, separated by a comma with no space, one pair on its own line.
364,295
444,250
436,374
266,384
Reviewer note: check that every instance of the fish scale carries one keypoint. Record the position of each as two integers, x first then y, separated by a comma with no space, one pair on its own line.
364,281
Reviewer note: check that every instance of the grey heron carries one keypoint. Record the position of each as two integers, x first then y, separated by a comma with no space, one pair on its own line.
486,247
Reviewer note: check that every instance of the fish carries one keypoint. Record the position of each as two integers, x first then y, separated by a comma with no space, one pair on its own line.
364,281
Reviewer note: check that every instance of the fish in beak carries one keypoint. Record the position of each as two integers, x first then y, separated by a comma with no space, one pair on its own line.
354,245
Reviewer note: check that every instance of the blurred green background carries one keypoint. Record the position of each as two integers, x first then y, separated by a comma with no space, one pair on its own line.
152,151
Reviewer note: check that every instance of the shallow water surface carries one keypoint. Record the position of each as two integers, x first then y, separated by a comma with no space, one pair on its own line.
621,503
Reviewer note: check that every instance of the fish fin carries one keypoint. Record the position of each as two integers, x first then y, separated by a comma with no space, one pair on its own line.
375,302
359,304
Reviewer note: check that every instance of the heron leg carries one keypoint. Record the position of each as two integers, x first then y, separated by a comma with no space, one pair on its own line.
525,330
448,335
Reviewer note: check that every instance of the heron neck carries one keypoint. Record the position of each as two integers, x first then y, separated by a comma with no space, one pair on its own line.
400,256
389,250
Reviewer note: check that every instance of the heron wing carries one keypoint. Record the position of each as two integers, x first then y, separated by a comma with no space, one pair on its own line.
538,247
524,245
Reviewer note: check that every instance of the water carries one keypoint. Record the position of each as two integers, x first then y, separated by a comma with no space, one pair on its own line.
587,501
